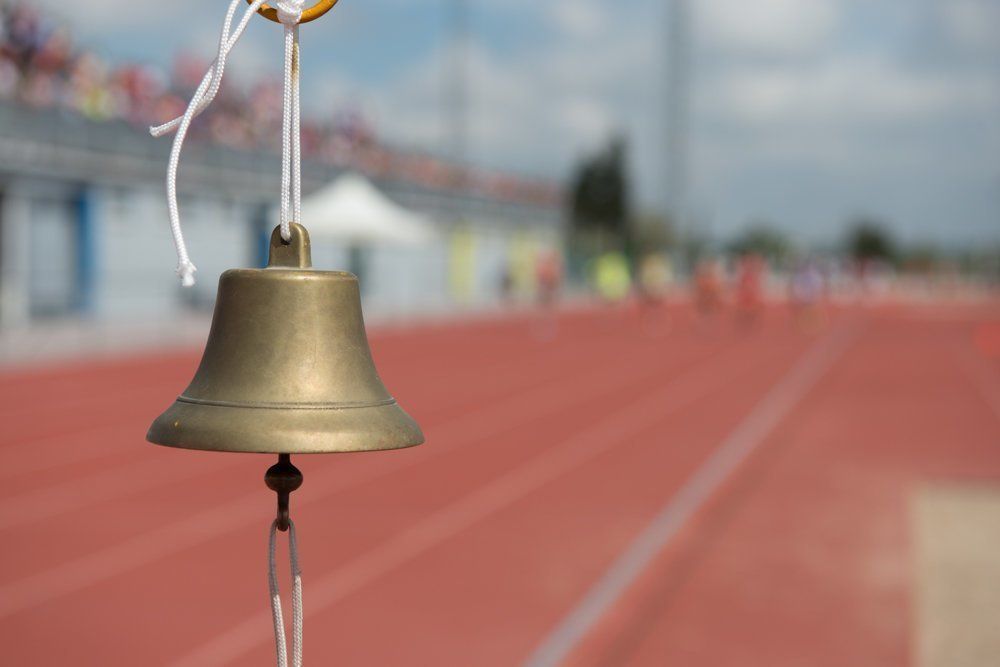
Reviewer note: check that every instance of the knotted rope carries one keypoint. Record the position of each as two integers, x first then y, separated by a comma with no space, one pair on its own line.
289,13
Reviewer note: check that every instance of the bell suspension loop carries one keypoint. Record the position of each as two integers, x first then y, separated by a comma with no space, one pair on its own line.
280,644
283,478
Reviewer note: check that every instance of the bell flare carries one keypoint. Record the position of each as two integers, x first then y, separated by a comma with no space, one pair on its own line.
287,368
285,430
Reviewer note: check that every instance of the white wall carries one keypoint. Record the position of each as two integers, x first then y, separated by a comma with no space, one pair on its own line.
137,260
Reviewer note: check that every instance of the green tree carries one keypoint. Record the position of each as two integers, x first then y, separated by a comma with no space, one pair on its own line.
600,194
653,233
869,240
765,240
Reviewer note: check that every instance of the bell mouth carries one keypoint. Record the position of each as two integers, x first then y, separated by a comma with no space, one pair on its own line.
274,430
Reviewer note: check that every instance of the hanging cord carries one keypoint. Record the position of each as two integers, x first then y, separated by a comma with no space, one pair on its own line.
289,12
281,646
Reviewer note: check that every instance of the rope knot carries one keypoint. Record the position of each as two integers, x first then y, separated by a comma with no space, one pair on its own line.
290,11
186,271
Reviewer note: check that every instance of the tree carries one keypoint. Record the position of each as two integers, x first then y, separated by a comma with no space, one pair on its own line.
653,233
600,193
765,240
868,240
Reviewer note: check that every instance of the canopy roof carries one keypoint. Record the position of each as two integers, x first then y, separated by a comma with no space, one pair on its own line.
352,209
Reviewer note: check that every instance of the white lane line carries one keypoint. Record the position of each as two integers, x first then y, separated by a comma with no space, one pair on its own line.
705,481
561,458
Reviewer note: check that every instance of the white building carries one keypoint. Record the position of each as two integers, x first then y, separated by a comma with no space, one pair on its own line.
84,232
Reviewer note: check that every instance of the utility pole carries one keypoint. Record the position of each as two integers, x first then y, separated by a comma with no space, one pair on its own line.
457,91
675,115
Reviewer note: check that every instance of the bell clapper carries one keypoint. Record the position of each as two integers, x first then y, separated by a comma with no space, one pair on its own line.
283,478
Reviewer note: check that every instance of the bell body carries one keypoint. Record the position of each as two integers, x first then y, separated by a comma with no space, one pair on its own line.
287,367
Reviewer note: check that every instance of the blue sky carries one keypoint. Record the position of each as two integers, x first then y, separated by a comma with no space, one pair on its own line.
804,112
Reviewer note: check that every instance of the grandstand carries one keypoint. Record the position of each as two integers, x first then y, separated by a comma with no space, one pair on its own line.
83,225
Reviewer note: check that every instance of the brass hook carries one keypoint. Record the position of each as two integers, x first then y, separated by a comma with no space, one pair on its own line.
311,14
283,478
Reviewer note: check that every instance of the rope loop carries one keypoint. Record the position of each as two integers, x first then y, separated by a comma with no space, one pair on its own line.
290,11
311,14
281,646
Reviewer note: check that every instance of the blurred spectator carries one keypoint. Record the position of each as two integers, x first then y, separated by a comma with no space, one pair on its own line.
40,66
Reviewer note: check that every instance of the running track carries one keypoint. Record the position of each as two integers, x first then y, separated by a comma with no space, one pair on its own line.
606,497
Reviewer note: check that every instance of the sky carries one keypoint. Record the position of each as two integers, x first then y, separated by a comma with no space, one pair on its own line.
804,114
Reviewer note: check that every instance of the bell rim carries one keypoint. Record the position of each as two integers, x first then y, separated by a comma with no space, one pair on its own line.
285,450
289,431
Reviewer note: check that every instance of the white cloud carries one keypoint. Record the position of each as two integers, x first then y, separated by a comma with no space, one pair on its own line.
517,109
577,18
116,15
847,90
974,23
781,27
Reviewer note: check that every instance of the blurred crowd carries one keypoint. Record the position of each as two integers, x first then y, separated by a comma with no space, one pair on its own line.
743,284
41,66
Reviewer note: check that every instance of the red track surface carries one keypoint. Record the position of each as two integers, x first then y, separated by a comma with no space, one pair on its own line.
545,460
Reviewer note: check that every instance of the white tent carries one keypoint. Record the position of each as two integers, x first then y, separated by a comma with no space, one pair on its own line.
351,209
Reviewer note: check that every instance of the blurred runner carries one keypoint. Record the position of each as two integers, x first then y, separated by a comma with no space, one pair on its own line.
652,287
805,295
548,284
749,289
612,277
708,289
505,285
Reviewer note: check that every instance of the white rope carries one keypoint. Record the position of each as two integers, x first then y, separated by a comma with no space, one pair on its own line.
289,12
202,97
281,646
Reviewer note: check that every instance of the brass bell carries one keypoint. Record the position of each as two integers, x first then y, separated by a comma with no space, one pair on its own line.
287,368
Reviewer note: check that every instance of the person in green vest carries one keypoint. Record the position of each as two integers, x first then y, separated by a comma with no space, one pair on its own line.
612,277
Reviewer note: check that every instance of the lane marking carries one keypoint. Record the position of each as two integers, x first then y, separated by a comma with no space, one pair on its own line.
48,452
117,482
705,481
472,508
492,421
